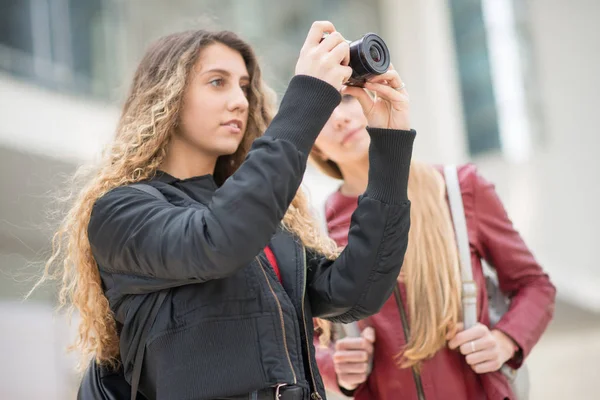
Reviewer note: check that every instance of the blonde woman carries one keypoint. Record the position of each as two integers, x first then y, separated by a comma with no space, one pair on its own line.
429,356
231,248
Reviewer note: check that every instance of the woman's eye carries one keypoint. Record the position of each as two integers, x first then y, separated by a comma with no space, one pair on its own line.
217,82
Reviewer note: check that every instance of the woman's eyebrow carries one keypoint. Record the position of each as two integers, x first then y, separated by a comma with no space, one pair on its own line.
224,72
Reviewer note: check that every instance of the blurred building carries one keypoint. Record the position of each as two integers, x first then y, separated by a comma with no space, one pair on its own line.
511,85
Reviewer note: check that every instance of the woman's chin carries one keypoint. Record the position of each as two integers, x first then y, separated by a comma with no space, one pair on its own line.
357,149
227,150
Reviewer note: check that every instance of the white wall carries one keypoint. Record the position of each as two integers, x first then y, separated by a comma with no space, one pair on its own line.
34,365
38,121
419,37
566,42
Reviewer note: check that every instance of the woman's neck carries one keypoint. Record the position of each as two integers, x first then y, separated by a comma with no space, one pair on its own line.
186,161
356,177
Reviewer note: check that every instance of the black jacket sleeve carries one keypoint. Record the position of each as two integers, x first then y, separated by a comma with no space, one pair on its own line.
360,281
132,232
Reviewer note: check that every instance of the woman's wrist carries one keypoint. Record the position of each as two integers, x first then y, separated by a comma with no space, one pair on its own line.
305,108
389,164
509,347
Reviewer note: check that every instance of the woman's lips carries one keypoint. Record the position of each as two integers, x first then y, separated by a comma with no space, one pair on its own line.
232,128
234,125
350,135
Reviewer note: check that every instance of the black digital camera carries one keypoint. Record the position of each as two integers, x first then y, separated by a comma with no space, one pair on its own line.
369,56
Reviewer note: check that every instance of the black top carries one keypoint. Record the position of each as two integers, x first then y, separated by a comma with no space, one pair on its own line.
228,326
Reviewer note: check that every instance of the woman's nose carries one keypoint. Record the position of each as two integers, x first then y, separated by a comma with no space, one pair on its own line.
340,119
238,100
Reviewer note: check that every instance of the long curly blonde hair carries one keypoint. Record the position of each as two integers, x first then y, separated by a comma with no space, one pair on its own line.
431,270
149,117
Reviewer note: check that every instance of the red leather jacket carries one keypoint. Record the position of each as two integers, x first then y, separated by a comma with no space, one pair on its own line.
447,375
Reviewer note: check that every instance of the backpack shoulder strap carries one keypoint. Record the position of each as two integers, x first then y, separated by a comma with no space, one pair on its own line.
469,289
139,354
151,190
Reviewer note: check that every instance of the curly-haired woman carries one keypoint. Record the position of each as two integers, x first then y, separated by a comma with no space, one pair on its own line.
231,245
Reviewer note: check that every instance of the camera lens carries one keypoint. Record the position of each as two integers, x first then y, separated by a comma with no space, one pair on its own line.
375,53
369,56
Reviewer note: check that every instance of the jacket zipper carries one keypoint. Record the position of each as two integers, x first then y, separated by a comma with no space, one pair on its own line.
416,376
287,353
314,395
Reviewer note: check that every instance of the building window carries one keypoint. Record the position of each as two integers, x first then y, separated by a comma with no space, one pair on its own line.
479,104
51,42
90,47
498,87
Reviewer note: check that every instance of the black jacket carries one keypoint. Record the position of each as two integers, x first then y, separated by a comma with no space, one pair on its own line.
228,326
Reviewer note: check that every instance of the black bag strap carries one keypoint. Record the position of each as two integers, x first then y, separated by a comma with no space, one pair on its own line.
405,328
139,354
151,190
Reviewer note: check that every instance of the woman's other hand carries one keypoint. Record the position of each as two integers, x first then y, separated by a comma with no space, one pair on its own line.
352,359
484,350
389,105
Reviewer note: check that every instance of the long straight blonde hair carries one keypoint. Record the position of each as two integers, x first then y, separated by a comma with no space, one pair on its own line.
148,119
431,271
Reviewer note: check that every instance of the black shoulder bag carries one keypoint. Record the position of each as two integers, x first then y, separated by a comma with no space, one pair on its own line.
103,383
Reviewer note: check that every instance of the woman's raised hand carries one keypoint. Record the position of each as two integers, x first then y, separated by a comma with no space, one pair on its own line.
326,59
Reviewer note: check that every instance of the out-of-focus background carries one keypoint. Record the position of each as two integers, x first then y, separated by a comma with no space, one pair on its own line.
511,85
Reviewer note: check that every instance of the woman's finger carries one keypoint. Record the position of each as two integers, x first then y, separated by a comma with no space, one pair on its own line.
468,335
485,367
483,343
352,379
369,334
480,357
315,34
362,96
390,78
352,368
340,54
385,92
331,41
453,332
353,356
352,343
